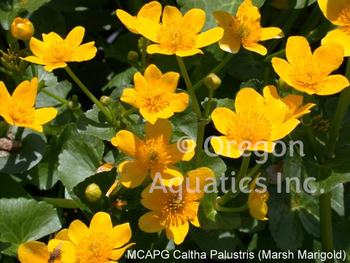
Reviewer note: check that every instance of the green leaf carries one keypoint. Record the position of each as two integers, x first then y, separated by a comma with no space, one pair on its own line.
209,6
95,123
54,21
303,3
30,154
104,181
29,5
80,157
219,241
211,219
121,81
216,164
60,89
217,103
10,188
337,200
185,124
23,220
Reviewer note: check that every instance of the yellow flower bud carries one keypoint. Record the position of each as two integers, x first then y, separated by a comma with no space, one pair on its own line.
22,29
212,81
93,193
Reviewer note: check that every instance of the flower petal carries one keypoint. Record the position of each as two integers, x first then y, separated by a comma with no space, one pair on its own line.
249,99
165,113
26,92
121,234
33,251
152,74
275,112
101,222
152,198
170,81
334,84
67,250
35,60
150,117
133,173
329,57
209,37
171,176
181,151
189,52
196,18
297,47
44,115
77,231
270,33
118,253
303,110
198,179
127,142
282,68
150,222
151,11
5,97
171,14
284,129
84,52
160,129
132,97
258,209
229,42
225,147
178,231
255,47
247,9
148,29
37,47
157,49
222,117
51,38
140,83
341,36
270,92
75,37
128,20
178,102
331,10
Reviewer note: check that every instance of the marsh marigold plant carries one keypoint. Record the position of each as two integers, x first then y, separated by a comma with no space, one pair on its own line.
173,210
257,202
54,52
310,72
154,94
153,154
255,124
19,109
244,29
178,34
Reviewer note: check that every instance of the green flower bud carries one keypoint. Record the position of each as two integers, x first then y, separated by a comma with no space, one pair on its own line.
133,56
93,193
212,81
105,100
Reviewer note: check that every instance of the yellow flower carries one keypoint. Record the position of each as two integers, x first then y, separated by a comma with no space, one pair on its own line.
172,211
309,72
178,34
54,52
244,29
19,110
255,125
101,242
292,101
338,13
152,153
22,29
151,11
58,250
154,94
257,202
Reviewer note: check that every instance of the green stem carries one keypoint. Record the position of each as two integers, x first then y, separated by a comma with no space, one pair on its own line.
208,107
58,98
215,70
198,150
279,53
326,223
90,95
60,202
145,43
242,172
339,115
19,133
190,89
232,209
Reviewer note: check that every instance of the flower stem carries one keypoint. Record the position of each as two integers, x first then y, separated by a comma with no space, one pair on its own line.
215,70
58,98
326,223
145,43
339,115
189,86
90,95
19,133
60,202
242,172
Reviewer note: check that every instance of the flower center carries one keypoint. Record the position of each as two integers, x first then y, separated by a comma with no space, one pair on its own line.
154,101
152,151
344,14
22,114
59,52
249,126
176,36
307,75
247,29
96,248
